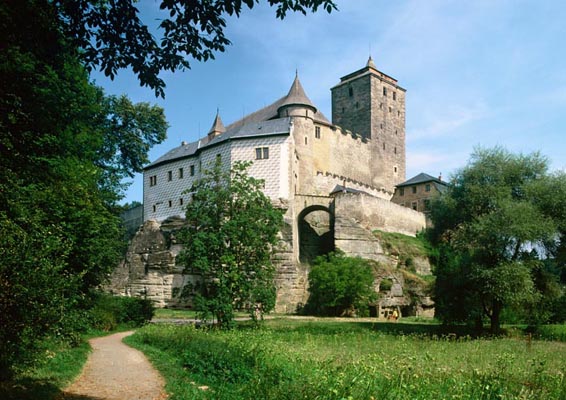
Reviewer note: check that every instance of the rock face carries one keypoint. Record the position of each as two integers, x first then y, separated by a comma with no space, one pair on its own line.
149,269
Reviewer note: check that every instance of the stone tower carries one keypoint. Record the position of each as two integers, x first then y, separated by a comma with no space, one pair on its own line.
372,104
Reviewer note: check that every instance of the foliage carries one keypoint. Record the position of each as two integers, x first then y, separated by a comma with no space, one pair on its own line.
111,36
109,311
64,148
232,228
497,228
329,360
340,285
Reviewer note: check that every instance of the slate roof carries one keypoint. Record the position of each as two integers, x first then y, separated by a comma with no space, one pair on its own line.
296,95
424,178
263,122
273,127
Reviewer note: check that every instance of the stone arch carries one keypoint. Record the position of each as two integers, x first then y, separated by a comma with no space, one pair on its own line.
316,232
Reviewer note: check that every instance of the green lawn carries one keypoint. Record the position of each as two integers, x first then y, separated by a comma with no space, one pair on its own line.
294,359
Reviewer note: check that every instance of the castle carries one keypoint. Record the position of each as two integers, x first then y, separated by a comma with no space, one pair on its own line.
334,180
294,147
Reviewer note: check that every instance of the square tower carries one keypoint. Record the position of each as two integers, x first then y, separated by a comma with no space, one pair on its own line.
372,104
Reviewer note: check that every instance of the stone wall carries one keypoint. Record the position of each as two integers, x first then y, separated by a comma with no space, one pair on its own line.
374,213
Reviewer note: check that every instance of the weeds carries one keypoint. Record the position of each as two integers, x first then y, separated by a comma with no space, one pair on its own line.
328,360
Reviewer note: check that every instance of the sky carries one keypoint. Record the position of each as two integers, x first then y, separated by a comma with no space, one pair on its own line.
478,73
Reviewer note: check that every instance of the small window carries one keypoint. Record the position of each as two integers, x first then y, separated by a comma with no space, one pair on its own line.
383,145
180,173
381,126
414,206
181,201
395,169
395,151
390,109
350,91
398,113
218,158
153,180
394,95
169,176
262,153
384,91
170,203
401,191
154,208
414,189
357,104
427,205
380,106
317,132
306,140
396,131
427,187
342,110
192,170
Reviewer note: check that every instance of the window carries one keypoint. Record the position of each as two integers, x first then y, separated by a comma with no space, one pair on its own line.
390,109
384,91
427,187
169,176
181,201
395,169
192,170
414,189
383,145
218,158
170,203
350,91
180,173
395,150
427,205
154,208
357,104
401,191
317,132
153,180
262,153
380,106
414,206
306,140
394,95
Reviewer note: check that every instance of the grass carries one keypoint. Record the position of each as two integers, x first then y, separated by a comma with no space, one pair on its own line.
57,365
170,313
293,359
402,245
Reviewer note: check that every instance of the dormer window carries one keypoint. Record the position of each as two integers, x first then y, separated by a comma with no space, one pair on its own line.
317,132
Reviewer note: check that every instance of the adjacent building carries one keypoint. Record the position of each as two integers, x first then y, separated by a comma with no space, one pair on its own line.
417,192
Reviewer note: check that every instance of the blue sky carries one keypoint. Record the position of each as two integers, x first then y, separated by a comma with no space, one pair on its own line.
477,73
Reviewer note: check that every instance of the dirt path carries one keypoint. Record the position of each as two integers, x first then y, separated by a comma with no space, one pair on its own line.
115,371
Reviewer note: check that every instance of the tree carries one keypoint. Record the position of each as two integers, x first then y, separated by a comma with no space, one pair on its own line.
340,284
231,230
64,148
494,230
111,36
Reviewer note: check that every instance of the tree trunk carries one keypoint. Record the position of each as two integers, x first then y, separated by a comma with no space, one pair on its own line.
495,317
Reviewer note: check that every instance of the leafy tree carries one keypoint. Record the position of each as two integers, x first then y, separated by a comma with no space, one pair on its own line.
111,36
340,284
64,149
494,230
232,228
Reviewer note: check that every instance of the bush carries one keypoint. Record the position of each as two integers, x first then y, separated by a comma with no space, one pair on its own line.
385,285
340,285
109,311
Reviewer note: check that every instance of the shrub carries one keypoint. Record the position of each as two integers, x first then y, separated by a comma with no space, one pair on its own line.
109,311
385,285
340,285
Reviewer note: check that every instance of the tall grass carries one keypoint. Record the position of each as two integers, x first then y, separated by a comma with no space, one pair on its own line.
322,360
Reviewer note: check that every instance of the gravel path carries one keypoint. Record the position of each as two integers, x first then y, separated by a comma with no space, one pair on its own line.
115,371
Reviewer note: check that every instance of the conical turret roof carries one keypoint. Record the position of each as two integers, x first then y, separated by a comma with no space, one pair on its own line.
370,63
217,127
297,96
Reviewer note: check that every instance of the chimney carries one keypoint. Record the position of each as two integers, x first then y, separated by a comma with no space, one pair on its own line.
183,143
440,176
